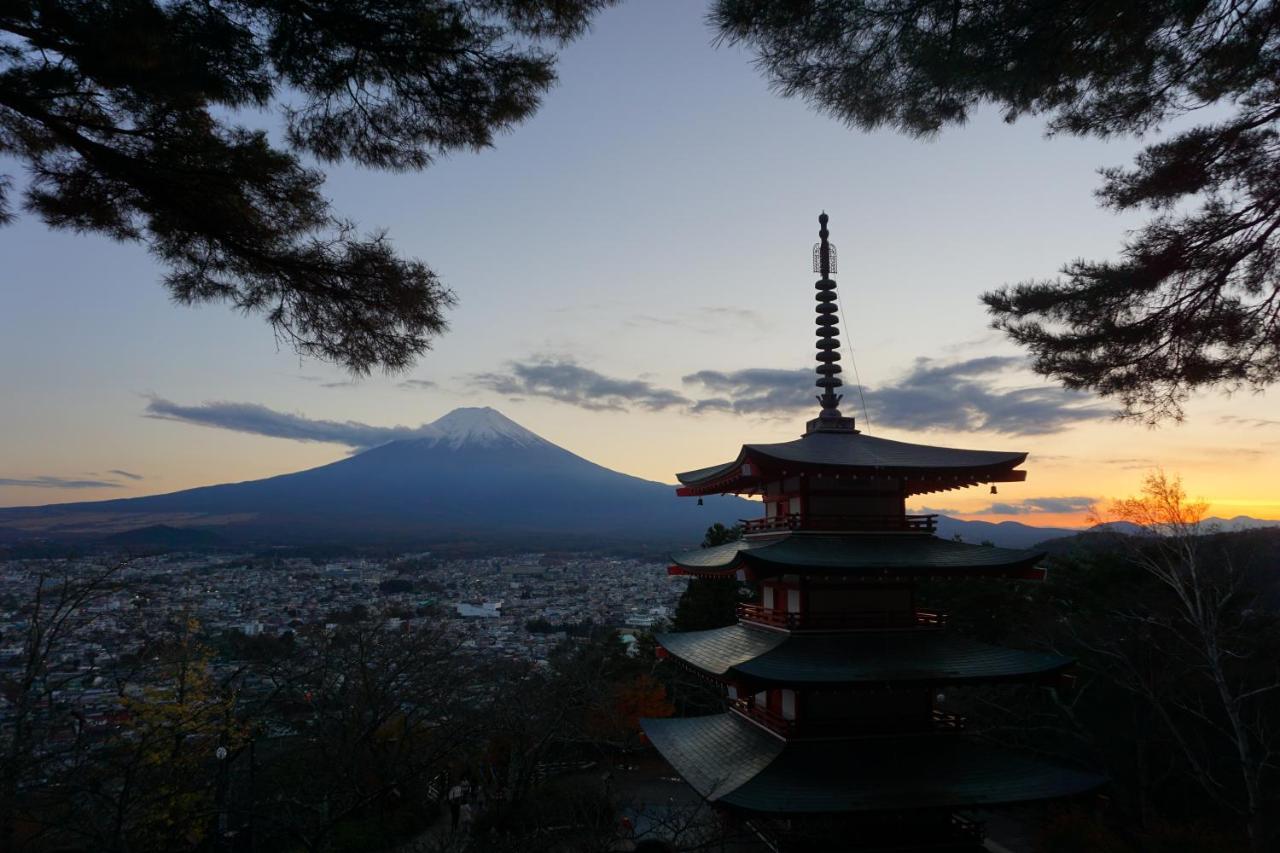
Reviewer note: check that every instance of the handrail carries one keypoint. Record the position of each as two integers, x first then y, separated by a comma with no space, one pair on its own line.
833,523
847,620
940,722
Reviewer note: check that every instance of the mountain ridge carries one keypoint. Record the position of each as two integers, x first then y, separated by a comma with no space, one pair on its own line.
473,473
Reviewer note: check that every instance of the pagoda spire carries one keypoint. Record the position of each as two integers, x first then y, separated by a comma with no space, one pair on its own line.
824,263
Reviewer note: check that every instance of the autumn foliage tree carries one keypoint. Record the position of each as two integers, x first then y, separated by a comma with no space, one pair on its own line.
161,784
616,718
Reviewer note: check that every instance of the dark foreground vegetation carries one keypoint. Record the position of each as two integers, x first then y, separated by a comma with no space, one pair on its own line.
353,737
342,739
1177,689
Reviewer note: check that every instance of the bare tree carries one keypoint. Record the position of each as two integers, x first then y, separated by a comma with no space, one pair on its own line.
36,734
364,717
1199,658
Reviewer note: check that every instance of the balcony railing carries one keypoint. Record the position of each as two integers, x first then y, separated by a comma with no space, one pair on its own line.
939,722
842,523
842,621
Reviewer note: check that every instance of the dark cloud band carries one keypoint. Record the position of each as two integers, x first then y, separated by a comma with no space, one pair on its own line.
49,482
960,396
568,382
1036,505
259,420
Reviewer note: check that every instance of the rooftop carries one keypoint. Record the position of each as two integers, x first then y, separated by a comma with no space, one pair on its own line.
879,657
926,468
731,761
862,555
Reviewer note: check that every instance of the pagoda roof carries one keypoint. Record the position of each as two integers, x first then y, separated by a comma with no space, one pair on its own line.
865,657
870,555
729,760
925,468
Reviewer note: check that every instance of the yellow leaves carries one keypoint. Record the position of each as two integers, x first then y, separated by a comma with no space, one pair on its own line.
1162,506
177,719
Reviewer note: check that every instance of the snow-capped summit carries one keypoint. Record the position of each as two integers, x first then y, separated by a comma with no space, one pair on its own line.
474,474
480,426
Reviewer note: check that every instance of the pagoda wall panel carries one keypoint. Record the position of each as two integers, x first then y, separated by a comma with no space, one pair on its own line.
835,599
860,707
871,503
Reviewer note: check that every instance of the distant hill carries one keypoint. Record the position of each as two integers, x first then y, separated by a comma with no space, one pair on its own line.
1006,534
475,475
162,537
1238,524
1012,534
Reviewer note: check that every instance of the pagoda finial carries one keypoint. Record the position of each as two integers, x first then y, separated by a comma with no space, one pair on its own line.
824,263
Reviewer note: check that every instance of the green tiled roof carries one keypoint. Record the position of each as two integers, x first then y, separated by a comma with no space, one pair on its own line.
856,554
730,761
858,451
872,657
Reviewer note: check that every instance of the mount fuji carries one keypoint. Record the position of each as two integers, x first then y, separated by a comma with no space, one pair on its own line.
472,474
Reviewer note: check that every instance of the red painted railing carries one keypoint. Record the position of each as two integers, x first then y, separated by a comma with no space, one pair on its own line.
940,722
832,523
844,621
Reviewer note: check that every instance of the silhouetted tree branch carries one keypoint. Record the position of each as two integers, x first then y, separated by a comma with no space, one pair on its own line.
1194,300
124,113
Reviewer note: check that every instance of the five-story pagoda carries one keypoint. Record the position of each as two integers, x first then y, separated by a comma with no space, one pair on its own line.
836,737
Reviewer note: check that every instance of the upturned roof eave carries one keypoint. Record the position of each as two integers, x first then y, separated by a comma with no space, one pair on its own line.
730,478
752,555
728,761
1049,667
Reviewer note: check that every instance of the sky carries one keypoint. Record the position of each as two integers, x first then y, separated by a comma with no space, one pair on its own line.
633,275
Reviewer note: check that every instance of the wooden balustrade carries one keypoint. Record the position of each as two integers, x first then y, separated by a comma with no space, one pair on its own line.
840,621
842,523
939,722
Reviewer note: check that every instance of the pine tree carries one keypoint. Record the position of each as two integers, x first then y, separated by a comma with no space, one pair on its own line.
125,113
1194,300
710,602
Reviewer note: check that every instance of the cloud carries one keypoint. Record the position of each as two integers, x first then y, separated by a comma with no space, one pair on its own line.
326,383
1034,505
703,319
568,382
1128,462
965,396
755,390
1255,423
957,395
125,474
49,482
259,420
416,384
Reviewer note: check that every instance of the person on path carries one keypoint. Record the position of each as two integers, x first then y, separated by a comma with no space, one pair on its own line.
456,797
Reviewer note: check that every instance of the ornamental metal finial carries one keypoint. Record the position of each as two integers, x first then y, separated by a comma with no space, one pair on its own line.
824,263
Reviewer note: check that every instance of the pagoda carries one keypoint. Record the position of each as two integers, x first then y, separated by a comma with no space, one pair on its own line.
837,733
